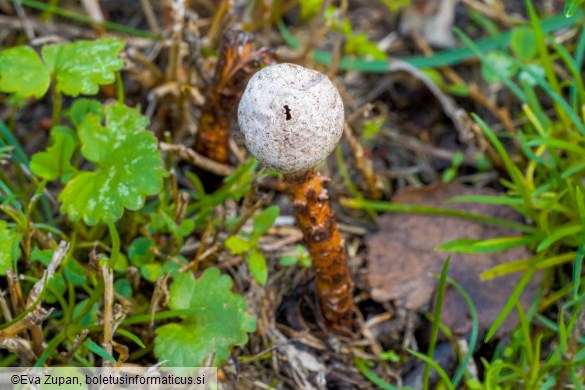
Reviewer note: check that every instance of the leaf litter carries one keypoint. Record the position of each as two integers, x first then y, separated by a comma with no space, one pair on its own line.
402,261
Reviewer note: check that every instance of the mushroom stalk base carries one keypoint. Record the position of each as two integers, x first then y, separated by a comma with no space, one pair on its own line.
315,218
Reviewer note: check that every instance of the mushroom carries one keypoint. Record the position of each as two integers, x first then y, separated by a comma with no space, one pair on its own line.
292,118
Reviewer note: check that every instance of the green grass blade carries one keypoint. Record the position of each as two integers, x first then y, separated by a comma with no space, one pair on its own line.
571,6
363,368
343,171
525,331
54,343
487,199
509,304
572,170
436,367
524,264
545,59
513,171
559,234
161,315
443,58
556,143
95,348
473,336
466,245
389,207
577,271
562,103
572,66
503,78
19,154
86,19
131,336
437,320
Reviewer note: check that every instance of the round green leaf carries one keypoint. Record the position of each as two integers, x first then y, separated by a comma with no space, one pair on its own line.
89,313
237,245
140,252
264,220
75,273
55,162
152,272
523,43
288,261
81,67
221,323
128,167
124,288
82,107
23,73
258,268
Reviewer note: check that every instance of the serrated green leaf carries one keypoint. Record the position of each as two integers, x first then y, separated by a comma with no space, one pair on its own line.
523,43
128,167
8,240
221,324
55,162
81,67
258,268
237,245
265,220
22,72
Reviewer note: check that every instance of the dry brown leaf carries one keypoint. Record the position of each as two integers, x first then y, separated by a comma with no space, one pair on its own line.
402,259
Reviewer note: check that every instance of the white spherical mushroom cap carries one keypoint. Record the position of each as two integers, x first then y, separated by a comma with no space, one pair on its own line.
291,117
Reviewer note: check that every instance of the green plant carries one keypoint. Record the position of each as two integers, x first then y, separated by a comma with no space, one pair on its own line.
217,321
546,187
357,44
300,257
248,243
523,46
396,5
450,173
104,168
571,6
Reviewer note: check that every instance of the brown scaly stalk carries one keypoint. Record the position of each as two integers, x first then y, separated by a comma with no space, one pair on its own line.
326,246
237,61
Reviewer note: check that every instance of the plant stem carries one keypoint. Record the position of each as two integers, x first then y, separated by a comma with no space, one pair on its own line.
120,88
57,103
108,275
315,219
115,237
